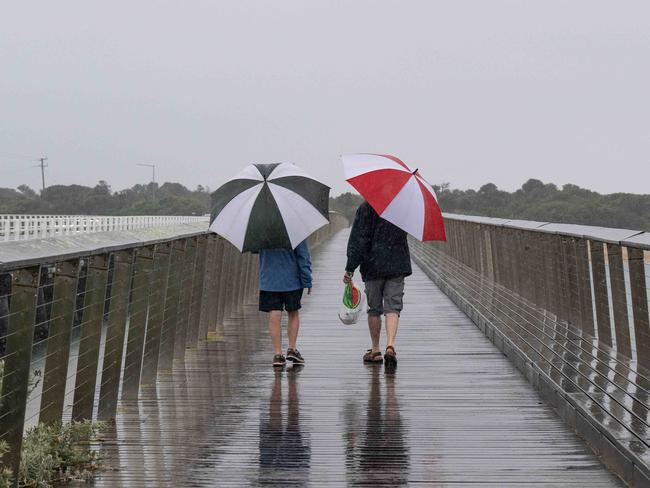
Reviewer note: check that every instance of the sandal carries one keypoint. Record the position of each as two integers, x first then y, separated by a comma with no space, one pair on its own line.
372,357
391,358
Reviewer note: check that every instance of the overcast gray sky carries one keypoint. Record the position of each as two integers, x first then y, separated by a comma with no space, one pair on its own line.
468,91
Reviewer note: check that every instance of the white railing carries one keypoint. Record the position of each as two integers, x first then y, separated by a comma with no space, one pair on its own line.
22,227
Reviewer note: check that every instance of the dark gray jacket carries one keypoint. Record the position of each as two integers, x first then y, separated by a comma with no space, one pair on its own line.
379,247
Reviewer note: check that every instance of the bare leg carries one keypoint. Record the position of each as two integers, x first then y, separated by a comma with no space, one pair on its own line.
392,321
374,326
275,330
293,328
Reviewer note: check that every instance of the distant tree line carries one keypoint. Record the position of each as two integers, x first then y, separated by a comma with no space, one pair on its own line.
535,200
151,199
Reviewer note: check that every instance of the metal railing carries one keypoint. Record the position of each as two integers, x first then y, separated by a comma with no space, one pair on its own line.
21,227
593,278
95,317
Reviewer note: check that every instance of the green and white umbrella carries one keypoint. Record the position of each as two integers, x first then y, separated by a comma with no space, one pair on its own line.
269,206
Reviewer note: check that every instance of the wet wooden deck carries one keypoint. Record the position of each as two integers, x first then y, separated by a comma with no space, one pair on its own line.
456,412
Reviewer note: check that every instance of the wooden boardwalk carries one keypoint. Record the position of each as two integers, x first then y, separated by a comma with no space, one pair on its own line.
456,413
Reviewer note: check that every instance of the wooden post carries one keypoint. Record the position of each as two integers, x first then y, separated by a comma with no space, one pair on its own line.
601,294
584,287
198,275
172,298
115,331
208,286
619,299
17,361
137,322
89,343
571,273
184,308
156,311
639,305
66,276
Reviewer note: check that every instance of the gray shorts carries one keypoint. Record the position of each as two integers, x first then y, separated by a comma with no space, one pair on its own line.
385,295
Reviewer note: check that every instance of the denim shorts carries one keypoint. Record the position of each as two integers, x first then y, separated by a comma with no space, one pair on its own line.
280,300
385,295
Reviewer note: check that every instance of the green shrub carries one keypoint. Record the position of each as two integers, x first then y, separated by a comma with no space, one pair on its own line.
55,453
6,476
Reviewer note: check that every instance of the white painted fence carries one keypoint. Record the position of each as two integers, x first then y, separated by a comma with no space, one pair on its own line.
22,227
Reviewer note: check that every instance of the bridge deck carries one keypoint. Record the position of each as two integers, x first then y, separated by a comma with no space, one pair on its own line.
456,412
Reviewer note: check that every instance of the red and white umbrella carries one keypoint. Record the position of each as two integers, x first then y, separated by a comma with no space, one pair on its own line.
397,193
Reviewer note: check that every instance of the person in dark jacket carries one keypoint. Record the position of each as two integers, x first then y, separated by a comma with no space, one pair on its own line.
284,274
381,250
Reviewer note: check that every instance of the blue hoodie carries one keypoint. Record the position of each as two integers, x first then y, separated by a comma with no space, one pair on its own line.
284,269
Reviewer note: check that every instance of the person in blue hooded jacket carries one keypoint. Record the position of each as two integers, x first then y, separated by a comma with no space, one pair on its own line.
284,274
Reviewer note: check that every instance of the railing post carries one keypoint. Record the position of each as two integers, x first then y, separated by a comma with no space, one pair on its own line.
239,286
17,361
601,294
210,277
158,287
217,289
137,322
89,343
551,273
619,299
584,286
115,332
185,298
172,298
225,268
571,273
639,304
198,274
244,281
66,277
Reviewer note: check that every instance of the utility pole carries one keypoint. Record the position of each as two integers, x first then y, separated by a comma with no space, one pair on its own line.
153,169
43,165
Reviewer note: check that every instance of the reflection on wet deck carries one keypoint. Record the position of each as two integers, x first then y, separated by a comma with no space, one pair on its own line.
456,412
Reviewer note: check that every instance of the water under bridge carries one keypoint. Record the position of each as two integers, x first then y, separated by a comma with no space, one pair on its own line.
524,360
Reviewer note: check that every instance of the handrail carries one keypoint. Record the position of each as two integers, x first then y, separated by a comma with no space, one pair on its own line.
625,237
22,227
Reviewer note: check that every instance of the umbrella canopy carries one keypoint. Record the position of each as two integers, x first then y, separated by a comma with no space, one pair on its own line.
269,206
397,193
